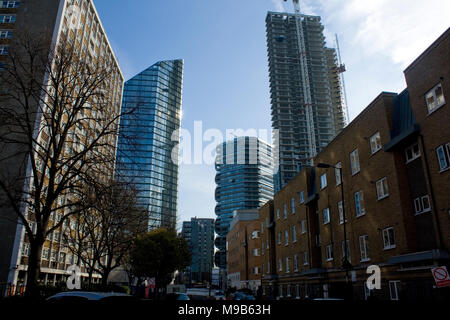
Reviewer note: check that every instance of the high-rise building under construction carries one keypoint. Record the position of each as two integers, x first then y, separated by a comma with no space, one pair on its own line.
305,86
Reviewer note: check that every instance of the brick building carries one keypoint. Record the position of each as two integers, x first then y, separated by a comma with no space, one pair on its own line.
244,249
393,162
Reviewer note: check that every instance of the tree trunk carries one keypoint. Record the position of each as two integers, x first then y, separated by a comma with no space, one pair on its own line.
34,268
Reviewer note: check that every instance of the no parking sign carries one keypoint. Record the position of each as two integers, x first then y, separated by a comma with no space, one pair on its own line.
441,276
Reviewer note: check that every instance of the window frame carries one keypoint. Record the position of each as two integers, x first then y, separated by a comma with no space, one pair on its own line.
385,192
302,197
328,220
391,244
323,181
364,252
303,226
446,156
435,100
353,163
329,253
359,205
337,173
377,145
395,284
414,155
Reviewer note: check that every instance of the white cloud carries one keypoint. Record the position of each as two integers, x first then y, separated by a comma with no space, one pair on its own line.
399,29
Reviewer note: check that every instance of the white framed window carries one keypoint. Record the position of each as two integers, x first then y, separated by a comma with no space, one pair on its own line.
62,257
262,247
305,258
255,252
286,237
354,162
285,211
359,203
363,247
294,233
288,265
326,215
255,234
267,244
302,197
288,290
278,213
388,238
375,143
323,181
292,205
256,270
337,173
268,268
443,154
329,252
279,238
280,264
25,249
348,249
295,262
412,152
303,224
341,212
45,254
382,188
394,289
422,204
435,98
7,18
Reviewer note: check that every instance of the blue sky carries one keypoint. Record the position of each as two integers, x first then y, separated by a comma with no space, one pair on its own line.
223,45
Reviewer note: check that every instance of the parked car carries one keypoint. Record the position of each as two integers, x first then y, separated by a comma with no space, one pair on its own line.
176,296
219,295
79,296
242,296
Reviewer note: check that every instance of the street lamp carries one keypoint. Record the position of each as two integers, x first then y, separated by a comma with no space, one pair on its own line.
345,264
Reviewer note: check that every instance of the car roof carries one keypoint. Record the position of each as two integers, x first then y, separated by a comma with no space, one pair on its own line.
88,295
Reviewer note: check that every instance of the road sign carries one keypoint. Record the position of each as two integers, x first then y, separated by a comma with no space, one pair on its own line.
151,283
441,276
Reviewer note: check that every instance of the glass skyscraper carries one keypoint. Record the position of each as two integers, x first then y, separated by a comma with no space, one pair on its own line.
151,112
244,178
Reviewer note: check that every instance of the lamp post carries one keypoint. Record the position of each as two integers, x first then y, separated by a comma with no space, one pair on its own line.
345,264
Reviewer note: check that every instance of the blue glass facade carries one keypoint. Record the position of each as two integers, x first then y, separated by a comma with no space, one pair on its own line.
151,112
244,180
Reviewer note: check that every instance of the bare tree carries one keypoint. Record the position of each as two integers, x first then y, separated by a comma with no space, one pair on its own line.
59,110
107,228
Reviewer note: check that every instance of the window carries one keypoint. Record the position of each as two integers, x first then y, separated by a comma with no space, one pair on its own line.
45,254
305,258
286,237
280,265
443,153
262,247
388,238
354,161
294,233
62,257
279,238
9,4
288,265
341,212
255,270
323,181
394,289
422,204
285,211
329,252
343,245
25,249
382,188
3,50
255,234
278,213
292,205
435,98
267,244
375,142
359,204
326,215
7,18
363,247
295,263
5,34
302,197
256,252
337,173
412,152
303,224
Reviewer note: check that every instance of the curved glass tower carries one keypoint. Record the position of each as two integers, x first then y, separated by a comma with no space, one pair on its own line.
244,180
151,112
